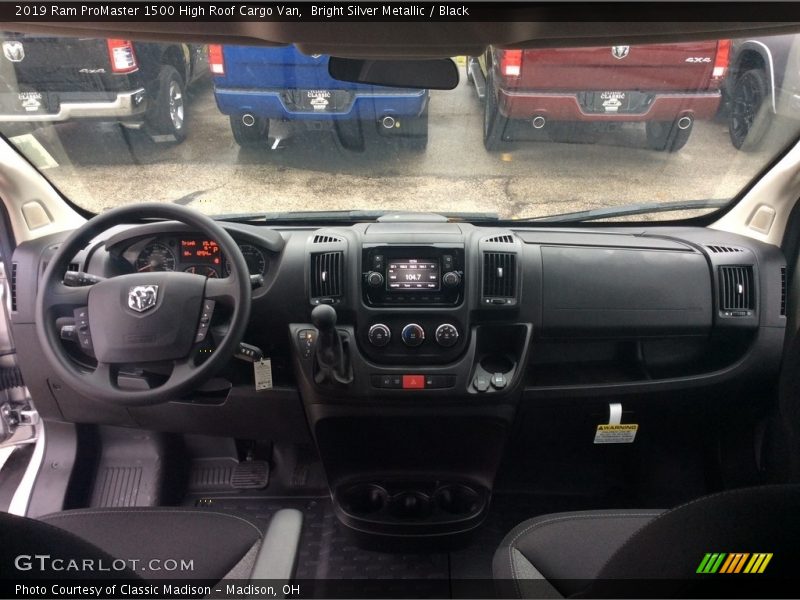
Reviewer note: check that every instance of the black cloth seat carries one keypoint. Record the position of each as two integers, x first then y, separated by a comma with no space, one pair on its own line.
640,553
141,543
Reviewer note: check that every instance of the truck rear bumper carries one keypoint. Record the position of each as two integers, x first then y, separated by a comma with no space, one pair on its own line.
125,105
270,104
562,106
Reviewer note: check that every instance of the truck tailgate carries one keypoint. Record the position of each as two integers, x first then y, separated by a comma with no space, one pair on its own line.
54,64
658,67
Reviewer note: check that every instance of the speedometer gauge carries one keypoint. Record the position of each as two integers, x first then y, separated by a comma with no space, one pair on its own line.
256,263
155,257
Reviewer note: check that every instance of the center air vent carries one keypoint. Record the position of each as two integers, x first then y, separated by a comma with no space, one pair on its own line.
326,277
499,277
13,287
326,239
736,291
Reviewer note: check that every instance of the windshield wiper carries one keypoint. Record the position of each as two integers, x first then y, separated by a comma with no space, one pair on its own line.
340,216
642,208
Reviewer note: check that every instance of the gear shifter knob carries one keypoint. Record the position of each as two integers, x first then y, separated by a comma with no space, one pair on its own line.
324,317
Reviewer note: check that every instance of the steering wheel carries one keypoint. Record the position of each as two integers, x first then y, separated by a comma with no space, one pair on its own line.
140,318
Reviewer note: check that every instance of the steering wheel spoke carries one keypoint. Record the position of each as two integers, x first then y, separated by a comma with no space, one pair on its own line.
183,368
224,290
64,296
103,376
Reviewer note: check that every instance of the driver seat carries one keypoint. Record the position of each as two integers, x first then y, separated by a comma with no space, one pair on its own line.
149,544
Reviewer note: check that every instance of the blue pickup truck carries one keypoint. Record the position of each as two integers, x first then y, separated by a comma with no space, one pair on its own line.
274,91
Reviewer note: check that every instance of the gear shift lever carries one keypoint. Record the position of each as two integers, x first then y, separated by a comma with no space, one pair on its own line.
331,358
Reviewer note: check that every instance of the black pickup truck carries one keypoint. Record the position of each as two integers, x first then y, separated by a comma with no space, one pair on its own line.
139,84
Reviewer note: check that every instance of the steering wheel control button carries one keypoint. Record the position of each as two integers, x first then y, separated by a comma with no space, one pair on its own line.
205,320
413,382
413,335
481,383
451,279
379,335
446,335
307,338
499,381
82,327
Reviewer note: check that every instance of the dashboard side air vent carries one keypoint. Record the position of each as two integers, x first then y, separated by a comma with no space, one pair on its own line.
500,239
13,287
736,291
723,249
499,277
326,239
783,291
327,277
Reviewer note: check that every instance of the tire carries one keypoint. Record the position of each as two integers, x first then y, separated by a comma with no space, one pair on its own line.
248,137
748,122
494,123
414,132
666,135
466,68
167,116
351,135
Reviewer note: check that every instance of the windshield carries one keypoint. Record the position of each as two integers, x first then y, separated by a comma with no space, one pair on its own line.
675,129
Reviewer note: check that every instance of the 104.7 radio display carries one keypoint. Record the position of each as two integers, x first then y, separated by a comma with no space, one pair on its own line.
413,274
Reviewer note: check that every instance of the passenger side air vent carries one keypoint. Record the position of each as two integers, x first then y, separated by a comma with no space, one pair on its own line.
327,277
500,239
499,277
326,239
13,287
783,291
723,249
736,291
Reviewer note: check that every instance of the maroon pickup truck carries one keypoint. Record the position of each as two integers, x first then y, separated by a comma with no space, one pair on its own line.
666,86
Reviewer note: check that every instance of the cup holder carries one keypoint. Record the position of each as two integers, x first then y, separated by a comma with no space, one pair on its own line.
410,505
364,499
458,499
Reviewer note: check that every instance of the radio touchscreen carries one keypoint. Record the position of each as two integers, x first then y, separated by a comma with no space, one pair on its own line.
412,274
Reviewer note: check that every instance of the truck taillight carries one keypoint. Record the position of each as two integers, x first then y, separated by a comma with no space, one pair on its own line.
722,58
215,60
122,56
511,63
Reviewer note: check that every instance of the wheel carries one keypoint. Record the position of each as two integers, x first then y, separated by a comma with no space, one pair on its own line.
351,135
167,115
667,135
247,137
494,123
747,123
414,131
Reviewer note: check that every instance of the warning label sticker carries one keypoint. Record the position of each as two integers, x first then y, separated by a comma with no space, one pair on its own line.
616,434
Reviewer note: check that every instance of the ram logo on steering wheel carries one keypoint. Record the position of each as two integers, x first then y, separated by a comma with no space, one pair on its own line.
142,297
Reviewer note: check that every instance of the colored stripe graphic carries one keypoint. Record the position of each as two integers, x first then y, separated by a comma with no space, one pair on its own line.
735,562
711,562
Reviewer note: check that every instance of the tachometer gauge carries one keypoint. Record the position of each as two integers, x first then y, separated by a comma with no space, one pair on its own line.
204,271
256,263
155,257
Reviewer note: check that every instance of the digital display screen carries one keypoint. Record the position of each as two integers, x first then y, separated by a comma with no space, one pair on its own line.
412,274
200,251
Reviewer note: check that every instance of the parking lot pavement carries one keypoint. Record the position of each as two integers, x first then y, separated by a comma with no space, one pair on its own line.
103,165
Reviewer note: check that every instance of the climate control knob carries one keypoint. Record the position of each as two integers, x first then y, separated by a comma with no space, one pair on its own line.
374,279
379,335
446,335
451,279
413,335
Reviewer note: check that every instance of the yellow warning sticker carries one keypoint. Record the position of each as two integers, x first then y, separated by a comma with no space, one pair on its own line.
616,434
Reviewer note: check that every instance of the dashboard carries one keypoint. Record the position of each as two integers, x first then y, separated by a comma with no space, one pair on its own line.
190,253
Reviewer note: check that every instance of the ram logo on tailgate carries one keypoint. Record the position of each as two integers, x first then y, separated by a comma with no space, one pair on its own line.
13,51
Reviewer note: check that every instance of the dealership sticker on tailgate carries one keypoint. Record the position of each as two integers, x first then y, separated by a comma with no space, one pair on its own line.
616,434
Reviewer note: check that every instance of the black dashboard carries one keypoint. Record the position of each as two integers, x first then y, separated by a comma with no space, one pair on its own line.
451,335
